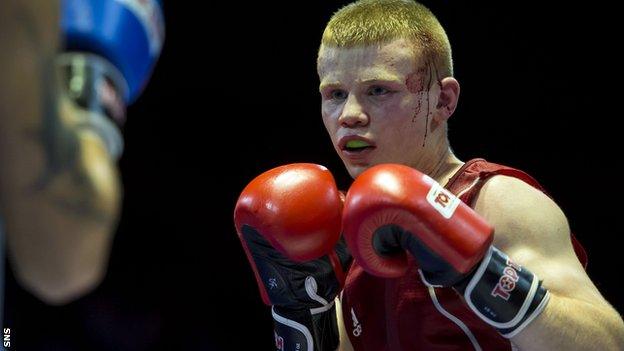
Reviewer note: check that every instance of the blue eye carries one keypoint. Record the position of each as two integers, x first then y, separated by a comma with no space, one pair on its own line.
378,91
338,94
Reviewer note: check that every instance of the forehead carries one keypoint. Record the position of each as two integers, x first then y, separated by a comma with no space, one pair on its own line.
393,59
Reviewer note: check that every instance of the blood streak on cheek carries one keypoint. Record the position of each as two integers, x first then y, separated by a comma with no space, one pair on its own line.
416,85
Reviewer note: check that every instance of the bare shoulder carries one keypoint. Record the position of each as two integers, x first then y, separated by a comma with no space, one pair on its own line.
532,229
522,213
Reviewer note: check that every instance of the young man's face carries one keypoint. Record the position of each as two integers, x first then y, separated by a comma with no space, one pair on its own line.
375,100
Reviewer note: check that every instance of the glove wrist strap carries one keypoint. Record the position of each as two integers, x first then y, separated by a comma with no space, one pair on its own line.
94,85
504,294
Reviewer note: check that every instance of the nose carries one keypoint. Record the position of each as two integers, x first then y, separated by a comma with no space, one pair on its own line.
353,114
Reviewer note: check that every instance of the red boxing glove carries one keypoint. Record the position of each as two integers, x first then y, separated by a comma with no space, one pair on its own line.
394,195
391,209
296,207
288,220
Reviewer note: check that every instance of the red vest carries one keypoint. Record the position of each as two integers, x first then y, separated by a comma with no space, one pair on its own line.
403,314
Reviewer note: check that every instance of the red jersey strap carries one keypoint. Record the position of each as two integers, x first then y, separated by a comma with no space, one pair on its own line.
470,179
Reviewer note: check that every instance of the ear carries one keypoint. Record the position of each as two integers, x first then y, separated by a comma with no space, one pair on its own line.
447,100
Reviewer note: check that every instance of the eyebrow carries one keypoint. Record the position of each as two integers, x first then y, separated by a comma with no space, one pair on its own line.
324,86
391,79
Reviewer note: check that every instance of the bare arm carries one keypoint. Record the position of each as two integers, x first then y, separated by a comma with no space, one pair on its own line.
533,231
345,343
59,189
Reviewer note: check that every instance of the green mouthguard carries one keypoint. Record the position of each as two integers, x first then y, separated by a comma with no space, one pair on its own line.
354,144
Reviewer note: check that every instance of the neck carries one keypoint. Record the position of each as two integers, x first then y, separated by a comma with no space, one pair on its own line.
447,167
443,164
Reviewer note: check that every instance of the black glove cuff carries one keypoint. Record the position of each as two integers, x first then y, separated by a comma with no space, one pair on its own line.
504,294
93,84
301,330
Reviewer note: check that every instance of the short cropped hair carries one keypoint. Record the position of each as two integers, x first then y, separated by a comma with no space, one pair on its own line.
369,22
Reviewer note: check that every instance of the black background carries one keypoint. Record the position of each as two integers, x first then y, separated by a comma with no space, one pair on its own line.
235,93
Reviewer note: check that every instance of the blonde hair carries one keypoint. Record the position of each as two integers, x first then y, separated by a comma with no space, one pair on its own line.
369,22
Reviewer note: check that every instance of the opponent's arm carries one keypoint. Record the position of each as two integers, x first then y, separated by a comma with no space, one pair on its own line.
54,225
59,188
